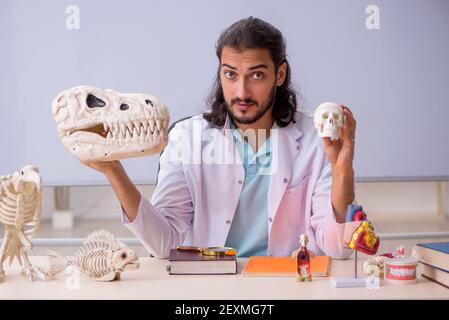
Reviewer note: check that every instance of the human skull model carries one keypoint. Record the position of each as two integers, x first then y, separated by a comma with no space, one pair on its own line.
329,118
105,125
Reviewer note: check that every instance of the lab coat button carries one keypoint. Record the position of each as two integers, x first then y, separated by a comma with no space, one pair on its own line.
240,181
269,219
285,180
228,221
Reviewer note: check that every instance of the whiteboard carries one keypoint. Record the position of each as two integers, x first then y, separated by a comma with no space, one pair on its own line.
394,79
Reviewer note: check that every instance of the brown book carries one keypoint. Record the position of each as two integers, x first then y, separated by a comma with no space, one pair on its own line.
435,254
439,276
190,262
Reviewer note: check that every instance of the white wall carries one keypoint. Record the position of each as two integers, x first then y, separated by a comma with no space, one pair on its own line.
382,200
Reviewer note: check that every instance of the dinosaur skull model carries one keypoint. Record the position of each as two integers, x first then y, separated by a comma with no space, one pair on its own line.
329,118
104,125
20,209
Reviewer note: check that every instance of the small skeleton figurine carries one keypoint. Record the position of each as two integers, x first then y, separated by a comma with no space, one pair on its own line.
20,210
102,257
374,266
303,256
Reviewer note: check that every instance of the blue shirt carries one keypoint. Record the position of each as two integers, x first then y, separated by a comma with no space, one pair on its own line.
249,228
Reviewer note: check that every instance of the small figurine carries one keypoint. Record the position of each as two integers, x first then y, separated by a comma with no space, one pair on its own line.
102,257
303,256
375,266
20,213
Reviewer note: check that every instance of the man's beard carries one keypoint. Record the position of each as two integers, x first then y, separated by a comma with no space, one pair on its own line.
260,113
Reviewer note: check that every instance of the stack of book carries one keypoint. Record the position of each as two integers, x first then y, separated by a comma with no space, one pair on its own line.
434,258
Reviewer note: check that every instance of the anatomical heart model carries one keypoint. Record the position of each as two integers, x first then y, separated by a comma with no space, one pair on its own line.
104,125
20,211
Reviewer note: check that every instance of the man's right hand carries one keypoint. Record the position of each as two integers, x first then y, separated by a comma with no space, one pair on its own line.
104,167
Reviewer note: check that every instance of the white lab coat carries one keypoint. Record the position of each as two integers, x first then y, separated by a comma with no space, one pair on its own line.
194,202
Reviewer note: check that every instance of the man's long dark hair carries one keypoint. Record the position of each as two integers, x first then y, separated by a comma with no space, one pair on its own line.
254,33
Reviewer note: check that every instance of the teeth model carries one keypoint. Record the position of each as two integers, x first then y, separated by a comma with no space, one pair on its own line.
100,125
401,270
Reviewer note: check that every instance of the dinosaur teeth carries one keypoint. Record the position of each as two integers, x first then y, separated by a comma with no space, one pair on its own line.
122,129
145,130
142,131
129,125
137,126
135,133
152,125
116,128
128,134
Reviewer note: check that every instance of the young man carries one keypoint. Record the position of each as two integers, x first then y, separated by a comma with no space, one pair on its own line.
251,173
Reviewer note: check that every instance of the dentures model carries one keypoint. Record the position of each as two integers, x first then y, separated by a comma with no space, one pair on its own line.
100,125
395,267
400,269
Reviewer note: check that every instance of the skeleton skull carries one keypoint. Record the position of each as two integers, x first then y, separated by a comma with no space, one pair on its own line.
328,119
100,125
